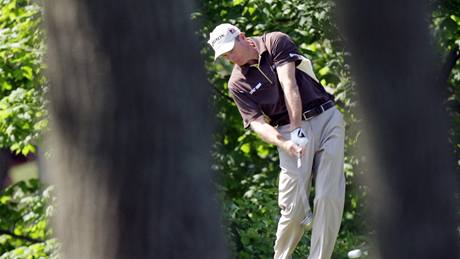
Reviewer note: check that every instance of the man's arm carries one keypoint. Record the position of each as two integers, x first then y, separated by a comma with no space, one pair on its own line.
270,135
286,76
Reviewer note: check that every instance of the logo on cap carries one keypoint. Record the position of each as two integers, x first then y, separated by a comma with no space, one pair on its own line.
217,39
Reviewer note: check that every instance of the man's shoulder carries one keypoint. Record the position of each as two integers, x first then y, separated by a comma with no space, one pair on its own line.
236,78
275,35
270,37
275,39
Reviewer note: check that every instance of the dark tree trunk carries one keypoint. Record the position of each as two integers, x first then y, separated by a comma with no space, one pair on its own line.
397,75
131,131
4,168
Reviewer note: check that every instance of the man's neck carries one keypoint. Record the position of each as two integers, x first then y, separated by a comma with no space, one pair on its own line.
253,62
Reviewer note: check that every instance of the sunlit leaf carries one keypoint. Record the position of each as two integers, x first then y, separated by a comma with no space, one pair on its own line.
245,148
237,2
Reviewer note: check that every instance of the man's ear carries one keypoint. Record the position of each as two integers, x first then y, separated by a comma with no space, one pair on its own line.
248,40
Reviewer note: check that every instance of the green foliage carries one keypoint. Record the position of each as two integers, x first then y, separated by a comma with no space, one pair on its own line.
22,84
247,168
25,210
48,249
446,24
446,28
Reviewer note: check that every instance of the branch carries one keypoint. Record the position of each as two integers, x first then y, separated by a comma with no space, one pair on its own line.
25,238
222,94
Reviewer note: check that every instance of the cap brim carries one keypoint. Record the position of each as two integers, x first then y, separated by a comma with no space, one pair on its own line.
226,47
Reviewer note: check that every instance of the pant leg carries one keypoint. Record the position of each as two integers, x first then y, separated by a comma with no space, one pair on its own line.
293,197
329,184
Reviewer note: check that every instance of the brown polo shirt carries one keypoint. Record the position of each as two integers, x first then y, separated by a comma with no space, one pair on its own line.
256,89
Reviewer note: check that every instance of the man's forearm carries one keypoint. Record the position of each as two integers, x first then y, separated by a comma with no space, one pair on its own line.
286,75
293,104
271,135
267,132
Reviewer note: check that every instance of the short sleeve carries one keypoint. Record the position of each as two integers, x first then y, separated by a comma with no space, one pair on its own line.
282,48
247,107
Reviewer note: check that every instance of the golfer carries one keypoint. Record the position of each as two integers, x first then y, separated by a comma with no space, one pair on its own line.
280,99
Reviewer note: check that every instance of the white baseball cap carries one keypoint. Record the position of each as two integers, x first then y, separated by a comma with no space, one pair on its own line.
222,38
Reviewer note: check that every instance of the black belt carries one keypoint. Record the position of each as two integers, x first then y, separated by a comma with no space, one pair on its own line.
306,115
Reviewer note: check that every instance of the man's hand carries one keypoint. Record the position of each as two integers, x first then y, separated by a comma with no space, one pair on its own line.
299,137
291,148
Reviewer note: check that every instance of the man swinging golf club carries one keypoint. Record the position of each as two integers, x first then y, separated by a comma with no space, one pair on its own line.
281,100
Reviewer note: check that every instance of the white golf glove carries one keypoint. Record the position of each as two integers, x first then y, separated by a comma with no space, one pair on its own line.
299,137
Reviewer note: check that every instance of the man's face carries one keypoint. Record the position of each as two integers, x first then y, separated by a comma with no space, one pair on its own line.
239,54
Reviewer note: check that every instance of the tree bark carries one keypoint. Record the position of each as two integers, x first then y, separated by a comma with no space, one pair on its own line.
131,131
412,181
4,168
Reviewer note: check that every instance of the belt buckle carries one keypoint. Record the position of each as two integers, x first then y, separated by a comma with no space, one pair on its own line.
316,111
304,115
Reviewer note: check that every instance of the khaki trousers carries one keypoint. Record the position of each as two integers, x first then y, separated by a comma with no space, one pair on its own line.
323,157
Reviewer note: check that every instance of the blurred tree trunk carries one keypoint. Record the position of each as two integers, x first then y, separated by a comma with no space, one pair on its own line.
131,131
4,168
412,182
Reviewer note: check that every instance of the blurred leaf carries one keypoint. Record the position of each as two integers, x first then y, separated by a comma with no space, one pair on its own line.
246,148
